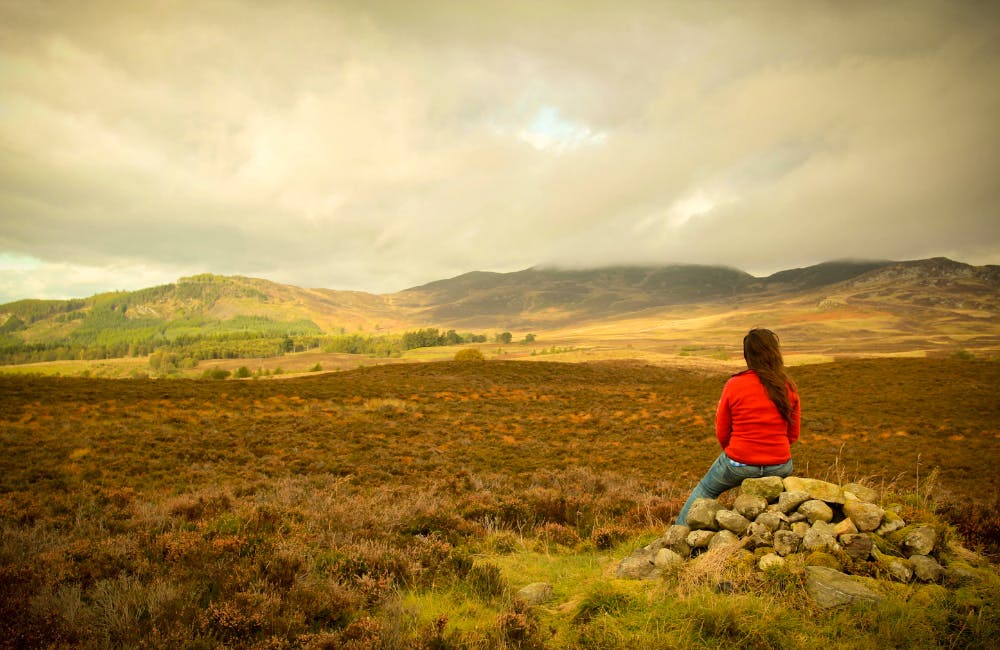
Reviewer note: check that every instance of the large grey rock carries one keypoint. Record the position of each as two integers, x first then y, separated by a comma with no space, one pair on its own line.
749,505
789,501
860,492
918,540
666,559
676,540
866,516
831,588
701,516
816,510
638,566
926,569
534,594
700,538
822,490
768,487
820,538
723,538
786,542
732,521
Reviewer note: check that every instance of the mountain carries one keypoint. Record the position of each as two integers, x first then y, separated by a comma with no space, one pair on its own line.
537,296
921,299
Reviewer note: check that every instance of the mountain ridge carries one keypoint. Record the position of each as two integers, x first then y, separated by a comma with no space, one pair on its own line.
944,297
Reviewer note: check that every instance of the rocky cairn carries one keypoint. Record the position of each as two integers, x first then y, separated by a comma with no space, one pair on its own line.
827,530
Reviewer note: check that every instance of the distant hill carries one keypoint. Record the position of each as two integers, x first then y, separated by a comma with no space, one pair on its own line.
201,311
538,295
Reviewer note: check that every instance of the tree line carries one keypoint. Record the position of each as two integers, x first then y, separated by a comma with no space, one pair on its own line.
107,333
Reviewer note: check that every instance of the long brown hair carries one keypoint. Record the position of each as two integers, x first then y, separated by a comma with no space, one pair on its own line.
762,352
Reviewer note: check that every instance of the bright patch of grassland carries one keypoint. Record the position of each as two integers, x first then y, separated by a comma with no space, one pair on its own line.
403,506
685,609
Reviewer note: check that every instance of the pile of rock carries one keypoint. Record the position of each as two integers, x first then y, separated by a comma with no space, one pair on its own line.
807,524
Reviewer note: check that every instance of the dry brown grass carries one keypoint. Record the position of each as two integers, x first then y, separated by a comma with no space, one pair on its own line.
188,512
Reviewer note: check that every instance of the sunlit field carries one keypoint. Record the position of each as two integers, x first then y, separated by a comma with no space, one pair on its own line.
401,504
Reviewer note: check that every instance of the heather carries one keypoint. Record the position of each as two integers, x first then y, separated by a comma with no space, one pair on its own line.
405,505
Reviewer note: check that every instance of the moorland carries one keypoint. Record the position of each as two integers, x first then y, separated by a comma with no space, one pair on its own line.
350,485
401,505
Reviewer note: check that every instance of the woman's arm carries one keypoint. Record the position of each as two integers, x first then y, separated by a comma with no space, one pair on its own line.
724,419
795,422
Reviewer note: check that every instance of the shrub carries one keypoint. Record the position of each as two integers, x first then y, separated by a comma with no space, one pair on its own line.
602,599
605,537
519,627
242,372
470,354
217,374
558,534
486,580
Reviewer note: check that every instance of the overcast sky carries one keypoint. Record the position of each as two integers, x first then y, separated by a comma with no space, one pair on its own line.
380,145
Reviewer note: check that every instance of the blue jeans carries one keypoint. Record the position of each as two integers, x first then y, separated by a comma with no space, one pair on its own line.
723,475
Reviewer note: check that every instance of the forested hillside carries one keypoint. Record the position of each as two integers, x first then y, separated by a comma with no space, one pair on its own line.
177,325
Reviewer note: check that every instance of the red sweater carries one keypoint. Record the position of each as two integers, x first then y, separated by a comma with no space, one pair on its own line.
748,424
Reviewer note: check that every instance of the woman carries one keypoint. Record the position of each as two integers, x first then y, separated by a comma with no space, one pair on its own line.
756,423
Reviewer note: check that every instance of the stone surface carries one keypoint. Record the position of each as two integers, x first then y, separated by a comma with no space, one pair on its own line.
898,568
858,546
770,561
700,538
749,505
866,516
891,522
844,527
675,538
789,501
759,535
732,521
534,594
723,538
822,490
860,492
772,520
768,487
831,588
926,569
702,514
667,559
786,542
819,538
816,510
800,528
638,566
918,540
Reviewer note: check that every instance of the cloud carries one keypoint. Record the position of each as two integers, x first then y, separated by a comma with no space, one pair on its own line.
379,145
